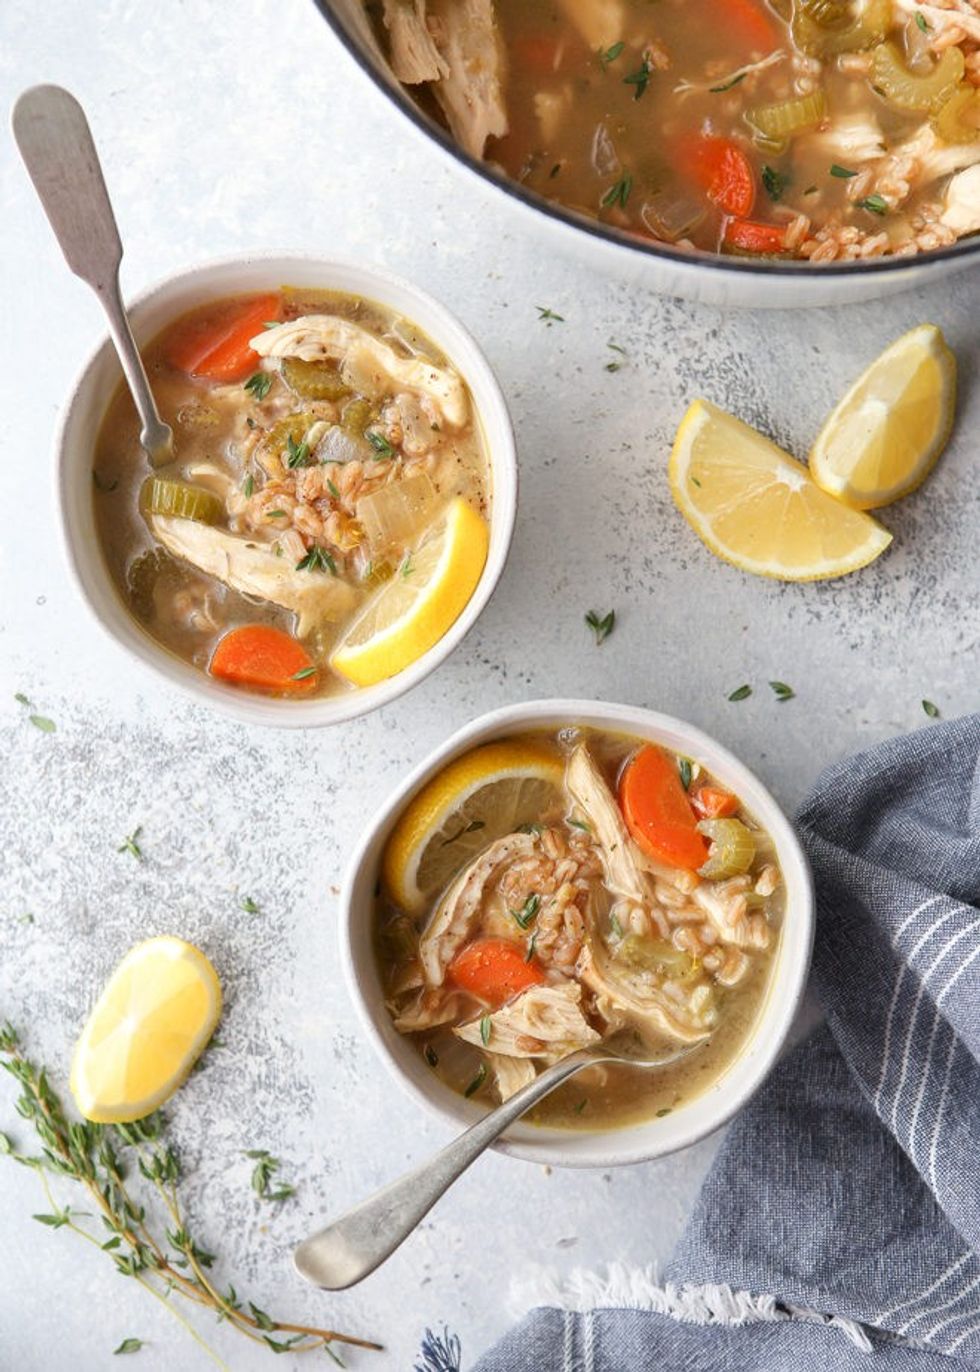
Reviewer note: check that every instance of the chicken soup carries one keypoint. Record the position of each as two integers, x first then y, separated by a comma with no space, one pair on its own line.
552,890
325,516
816,129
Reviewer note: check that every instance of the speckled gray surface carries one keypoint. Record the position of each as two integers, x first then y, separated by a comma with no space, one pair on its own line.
232,126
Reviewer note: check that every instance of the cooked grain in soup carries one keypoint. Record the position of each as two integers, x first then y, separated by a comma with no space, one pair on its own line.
818,129
624,892
323,447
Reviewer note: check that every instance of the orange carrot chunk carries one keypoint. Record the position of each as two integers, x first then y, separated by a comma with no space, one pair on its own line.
217,347
494,970
269,659
711,802
748,235
658,812
747,22
724,173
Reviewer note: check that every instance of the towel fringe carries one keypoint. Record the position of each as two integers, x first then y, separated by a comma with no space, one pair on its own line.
637,1288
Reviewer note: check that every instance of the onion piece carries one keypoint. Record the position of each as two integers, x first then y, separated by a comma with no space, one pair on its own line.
395,515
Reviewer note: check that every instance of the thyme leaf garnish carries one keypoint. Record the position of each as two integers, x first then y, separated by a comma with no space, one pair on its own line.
130,844
728,85
477,1082
486,1029
297,454
317,560
640,78
602,626
781,691
610,54
549,316
266,1167
931,709
875,204
686,771
526,915
382,448
259,383
774,181
249,906
619,192
741,692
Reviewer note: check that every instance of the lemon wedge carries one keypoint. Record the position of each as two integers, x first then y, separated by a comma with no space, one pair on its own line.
478,798
421,602
886,435
148,1028
755,506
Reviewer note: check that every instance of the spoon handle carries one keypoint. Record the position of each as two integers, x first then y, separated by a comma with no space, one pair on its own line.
56,144
353,1246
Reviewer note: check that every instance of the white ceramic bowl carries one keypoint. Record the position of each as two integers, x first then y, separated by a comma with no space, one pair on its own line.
597,1148
545,226
75,441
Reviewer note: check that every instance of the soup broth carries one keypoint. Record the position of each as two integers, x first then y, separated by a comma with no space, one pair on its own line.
321,443
626,894
819,129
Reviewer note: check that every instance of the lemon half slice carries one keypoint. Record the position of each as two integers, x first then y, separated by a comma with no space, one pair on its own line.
148,1028
757,507
478,798
886,435
421,602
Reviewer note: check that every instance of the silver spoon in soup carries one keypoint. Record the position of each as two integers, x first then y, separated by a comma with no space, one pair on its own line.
352,1247
56,144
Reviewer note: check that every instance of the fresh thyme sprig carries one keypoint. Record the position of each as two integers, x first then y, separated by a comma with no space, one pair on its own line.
100,1158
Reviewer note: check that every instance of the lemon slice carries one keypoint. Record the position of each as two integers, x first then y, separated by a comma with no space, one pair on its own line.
885,436
421,602
478,798
758,508
148,1028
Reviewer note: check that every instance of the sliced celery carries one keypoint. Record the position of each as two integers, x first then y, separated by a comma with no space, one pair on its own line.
179,498
732,848
778,122
907,90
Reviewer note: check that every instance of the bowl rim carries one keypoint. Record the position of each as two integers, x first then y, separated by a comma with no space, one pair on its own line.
84,562
619,1146
795,270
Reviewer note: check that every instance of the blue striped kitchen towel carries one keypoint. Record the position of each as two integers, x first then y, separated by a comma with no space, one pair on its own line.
840,1225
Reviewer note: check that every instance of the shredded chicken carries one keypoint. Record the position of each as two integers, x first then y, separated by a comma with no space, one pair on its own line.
600,22
252,568
414,56
371,366
961,211
471,92
641,1001
944,15
457,913
726,904
510,1074
429,1008
542,1022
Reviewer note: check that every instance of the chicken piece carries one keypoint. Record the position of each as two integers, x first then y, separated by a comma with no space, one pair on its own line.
428,1009
455,917
640,1001
961,211
963,14
542,1022
600,22
368,363
510,1074
316,598
623,875
918,162
471,94
414,56
726,905
853,138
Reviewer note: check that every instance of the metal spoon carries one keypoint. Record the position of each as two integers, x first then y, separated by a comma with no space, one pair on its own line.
56,144
352,1247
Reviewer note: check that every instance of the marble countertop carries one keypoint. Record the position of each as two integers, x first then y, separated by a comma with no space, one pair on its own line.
227,127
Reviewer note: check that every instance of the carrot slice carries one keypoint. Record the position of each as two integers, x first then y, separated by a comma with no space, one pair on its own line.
494,970
537,53
711,802
657,811
724,173
258,655
216,346
749,235
746,21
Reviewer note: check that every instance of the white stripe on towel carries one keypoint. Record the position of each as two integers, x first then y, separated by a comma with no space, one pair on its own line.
932,1034
637,1288
899,981
914,1017
950,1319
914,1300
